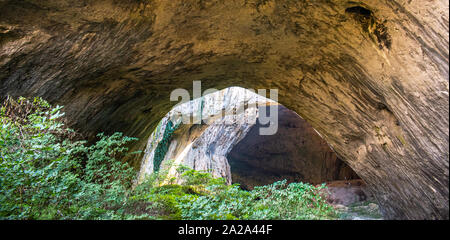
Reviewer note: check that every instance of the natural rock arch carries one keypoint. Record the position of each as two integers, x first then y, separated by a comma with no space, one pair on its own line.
371,77
223,134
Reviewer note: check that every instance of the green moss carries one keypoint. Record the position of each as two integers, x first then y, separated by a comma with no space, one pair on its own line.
201,196
402,140
377,130
163,145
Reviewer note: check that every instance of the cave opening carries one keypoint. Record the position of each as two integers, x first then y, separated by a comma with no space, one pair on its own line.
296,152
223,138
112,65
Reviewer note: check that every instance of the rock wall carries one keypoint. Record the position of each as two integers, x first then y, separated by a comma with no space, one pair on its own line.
207,129
370,76
229,134
203,143
296,153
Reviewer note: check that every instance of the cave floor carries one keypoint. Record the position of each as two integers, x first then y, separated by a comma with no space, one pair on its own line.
366,210
352,200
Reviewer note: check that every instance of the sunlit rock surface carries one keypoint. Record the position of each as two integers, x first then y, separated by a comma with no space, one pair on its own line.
203,143
230,134
370,76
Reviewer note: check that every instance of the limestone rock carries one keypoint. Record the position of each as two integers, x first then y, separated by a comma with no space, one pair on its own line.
370,76
219,121
296,153
230,134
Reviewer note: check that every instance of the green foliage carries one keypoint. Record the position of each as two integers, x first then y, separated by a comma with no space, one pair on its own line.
291,201
276,201
202,197
163,145
46,174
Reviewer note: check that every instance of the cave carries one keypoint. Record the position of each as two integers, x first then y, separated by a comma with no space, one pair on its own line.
220,133
296,152
370,76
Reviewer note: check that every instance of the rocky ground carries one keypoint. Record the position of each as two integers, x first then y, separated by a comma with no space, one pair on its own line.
352,200
366,210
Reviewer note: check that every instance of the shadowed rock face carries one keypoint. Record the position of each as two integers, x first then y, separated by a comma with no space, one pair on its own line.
371,77
295,153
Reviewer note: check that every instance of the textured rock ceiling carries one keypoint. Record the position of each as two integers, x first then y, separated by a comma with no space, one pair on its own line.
371,77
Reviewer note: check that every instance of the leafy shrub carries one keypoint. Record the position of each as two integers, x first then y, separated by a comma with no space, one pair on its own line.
46,174
275,201
291,201
202,197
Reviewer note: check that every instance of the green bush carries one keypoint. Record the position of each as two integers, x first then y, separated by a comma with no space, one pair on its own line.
202,197
291,201
276,201
46,172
